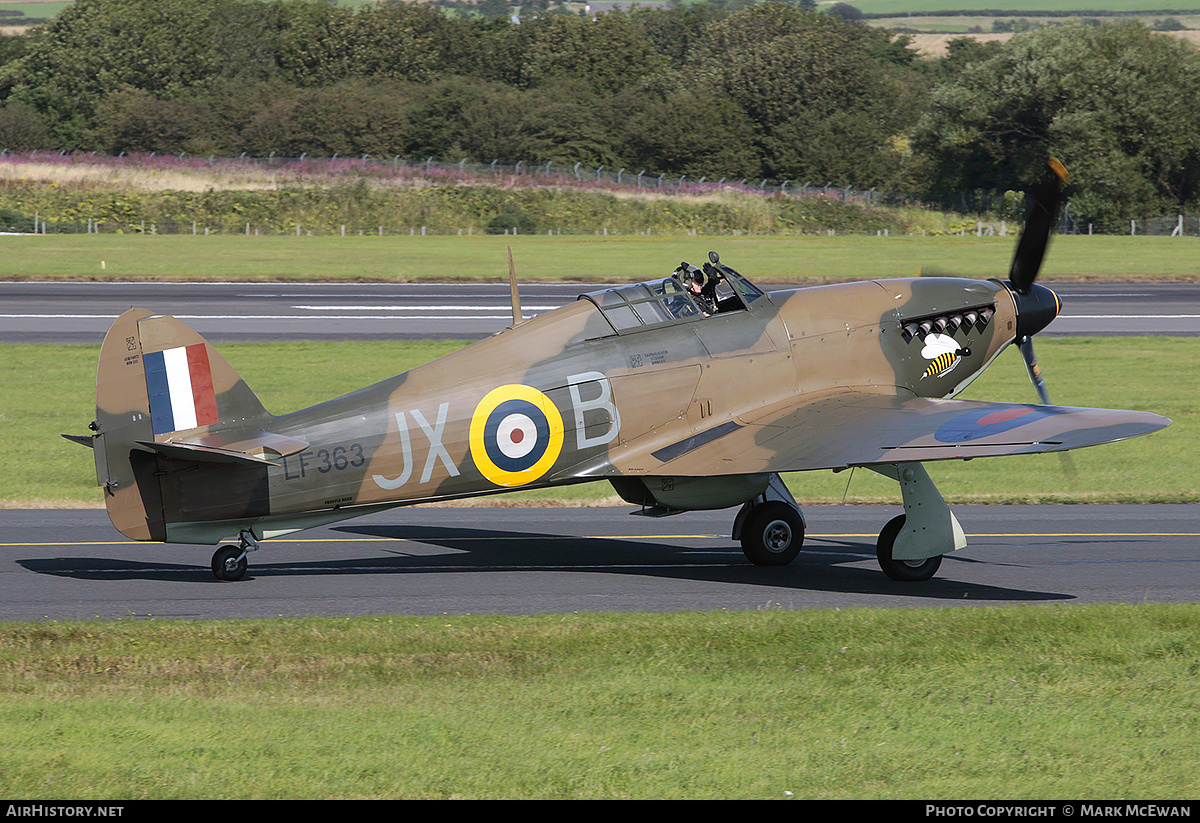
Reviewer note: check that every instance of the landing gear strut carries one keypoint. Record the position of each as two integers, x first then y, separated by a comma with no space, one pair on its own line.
911,546
770,527
229,562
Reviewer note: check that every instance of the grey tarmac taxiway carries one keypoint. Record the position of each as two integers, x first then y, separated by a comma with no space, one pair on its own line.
71,564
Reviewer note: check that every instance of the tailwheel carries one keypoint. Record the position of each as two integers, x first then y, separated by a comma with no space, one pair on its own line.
773,534
902,570
229,563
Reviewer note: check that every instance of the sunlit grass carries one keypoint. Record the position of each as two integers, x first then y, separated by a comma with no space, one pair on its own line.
1080,702
587,259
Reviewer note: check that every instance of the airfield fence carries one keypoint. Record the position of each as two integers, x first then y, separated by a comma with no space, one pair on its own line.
1173,226
401,171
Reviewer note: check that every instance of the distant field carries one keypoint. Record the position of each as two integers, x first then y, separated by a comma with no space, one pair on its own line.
903,7
938,30
34,8
934,45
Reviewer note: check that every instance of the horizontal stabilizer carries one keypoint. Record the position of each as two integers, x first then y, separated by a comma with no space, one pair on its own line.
263,447
81,439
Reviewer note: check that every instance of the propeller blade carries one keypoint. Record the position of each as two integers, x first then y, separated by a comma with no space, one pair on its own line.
1037,305
1043,214
1068,465
1035,371
1039,383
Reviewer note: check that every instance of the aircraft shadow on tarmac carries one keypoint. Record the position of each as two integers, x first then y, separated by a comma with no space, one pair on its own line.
111,568
824,566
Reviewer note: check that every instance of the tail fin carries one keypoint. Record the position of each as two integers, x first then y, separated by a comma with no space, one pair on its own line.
161,386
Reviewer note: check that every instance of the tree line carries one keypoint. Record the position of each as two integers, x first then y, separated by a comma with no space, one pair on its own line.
771,90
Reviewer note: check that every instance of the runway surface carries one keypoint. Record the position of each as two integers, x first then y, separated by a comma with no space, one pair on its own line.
71,564
225,312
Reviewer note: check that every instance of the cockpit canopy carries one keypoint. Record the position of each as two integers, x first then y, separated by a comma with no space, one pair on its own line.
666,301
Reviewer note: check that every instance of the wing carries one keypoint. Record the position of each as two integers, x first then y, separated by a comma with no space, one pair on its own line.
857,428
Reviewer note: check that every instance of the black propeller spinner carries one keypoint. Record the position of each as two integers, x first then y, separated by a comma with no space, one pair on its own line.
1036,305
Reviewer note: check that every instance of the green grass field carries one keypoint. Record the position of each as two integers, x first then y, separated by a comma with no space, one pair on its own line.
36,9
587,258
1039,702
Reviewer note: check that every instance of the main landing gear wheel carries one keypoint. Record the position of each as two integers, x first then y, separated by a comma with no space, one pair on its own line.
902,570
773,534
229,563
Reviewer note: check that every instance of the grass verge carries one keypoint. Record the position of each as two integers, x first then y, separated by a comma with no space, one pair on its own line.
765,259
1079,702
48,390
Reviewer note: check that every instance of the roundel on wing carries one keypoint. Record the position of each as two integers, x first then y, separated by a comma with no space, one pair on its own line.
985,422
516,435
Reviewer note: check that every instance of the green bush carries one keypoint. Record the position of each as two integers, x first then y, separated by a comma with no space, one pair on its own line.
13,220
512,220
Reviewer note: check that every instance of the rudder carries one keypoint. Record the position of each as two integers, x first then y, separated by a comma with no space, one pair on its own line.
157,380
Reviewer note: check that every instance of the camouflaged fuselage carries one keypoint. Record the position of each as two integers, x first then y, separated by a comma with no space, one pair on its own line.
633,384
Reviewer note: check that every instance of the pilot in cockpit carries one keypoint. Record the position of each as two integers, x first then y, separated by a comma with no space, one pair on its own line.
692,278
703,293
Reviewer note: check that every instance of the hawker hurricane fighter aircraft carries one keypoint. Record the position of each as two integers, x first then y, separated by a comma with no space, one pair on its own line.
688,392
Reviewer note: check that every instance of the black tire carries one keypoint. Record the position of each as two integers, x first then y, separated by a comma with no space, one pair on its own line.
226,565
773,534
905,571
